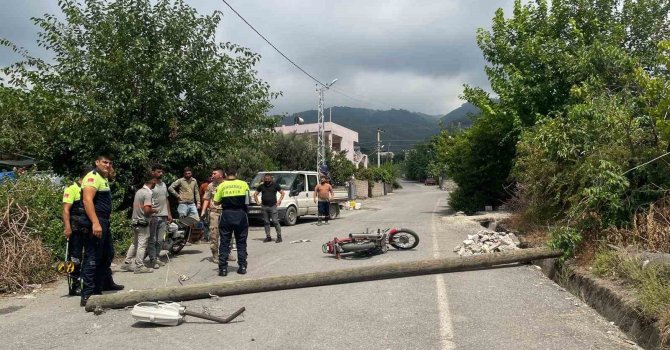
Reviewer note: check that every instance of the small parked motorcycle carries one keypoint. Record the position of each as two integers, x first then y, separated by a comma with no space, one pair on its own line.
179,232
372,243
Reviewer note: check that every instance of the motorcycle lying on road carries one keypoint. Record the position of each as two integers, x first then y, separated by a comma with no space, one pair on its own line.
372,243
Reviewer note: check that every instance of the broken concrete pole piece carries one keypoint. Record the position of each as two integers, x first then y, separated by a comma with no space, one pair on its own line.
315,279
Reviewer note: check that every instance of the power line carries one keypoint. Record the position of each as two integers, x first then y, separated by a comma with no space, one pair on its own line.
274,47
340,92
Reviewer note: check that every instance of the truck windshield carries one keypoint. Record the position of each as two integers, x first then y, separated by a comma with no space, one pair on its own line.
285,180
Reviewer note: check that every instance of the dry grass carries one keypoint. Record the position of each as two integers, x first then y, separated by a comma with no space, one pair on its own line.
23,259
650,229
651,284
664,323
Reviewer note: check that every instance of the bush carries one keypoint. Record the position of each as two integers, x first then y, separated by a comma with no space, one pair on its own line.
31,233
42,199
382,174
565,239
43,202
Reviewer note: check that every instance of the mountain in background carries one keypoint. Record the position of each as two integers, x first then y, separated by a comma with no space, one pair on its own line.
402,129
461,115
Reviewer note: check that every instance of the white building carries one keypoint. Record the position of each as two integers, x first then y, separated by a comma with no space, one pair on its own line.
336,136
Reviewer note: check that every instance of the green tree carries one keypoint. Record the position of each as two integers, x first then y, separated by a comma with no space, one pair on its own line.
145,81
417,161
19,134
479,159
340,167
292,152
557,69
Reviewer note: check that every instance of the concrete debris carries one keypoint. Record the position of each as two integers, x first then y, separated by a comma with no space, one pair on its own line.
300,241
487,241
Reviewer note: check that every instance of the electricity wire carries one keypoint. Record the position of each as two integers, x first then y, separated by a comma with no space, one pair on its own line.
338,91
643,164
273,46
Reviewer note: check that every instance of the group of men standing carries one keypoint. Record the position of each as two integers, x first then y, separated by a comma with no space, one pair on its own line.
87,207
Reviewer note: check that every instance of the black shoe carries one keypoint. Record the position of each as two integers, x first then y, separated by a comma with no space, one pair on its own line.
74,292
114,286
223,272
267,239
83,301
279,240
242,270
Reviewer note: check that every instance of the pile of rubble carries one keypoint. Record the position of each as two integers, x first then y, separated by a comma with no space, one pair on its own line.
486,241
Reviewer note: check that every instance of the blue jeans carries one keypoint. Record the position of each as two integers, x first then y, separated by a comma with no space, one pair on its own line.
188,209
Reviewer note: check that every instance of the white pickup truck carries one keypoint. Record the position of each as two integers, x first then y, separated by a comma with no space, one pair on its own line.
298,201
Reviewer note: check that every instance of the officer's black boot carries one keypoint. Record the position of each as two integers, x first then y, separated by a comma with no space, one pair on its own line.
223,271
83,301
242,270
113,286
279,240
267,239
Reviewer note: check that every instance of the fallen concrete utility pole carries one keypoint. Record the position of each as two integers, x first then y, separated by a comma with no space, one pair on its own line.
351,275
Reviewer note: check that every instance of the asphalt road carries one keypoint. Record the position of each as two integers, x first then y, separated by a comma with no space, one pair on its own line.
506,308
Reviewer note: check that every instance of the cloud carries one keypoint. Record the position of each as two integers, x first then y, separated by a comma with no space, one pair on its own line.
407,54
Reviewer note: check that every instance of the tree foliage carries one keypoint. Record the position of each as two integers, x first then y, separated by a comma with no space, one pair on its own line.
145,81
293,152
340,167
579,88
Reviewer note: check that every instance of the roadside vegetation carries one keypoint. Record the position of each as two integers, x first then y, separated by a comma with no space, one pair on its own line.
146,82
575,134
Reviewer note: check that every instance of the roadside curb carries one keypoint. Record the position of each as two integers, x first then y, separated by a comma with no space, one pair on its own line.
606,298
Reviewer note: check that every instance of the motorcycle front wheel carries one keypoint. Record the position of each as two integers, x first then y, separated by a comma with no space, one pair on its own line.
404,239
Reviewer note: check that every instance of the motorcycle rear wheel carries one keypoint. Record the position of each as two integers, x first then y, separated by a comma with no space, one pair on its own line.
177,247
404,239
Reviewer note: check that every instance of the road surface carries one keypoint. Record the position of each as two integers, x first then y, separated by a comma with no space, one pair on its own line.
505,308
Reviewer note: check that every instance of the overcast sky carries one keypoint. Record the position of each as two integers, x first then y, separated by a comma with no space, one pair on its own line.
414,55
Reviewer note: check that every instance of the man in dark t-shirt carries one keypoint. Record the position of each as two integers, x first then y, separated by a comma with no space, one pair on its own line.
268,190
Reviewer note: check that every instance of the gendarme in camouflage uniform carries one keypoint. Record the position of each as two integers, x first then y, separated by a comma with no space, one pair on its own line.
214,216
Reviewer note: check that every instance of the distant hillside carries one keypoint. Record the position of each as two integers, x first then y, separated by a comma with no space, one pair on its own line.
460,115
402,128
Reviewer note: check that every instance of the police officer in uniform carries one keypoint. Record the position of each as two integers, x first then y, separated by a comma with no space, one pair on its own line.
96,270
233,196
73,214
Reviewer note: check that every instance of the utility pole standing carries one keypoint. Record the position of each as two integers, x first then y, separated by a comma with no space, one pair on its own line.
321,139
379,147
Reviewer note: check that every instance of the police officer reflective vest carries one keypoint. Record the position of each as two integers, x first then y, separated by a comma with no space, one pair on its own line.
72,195
232,194
102,202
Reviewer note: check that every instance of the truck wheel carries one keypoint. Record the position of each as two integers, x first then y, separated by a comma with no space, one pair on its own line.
291,216
334,210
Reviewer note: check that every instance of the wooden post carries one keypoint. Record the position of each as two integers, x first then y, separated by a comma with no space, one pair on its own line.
314,279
